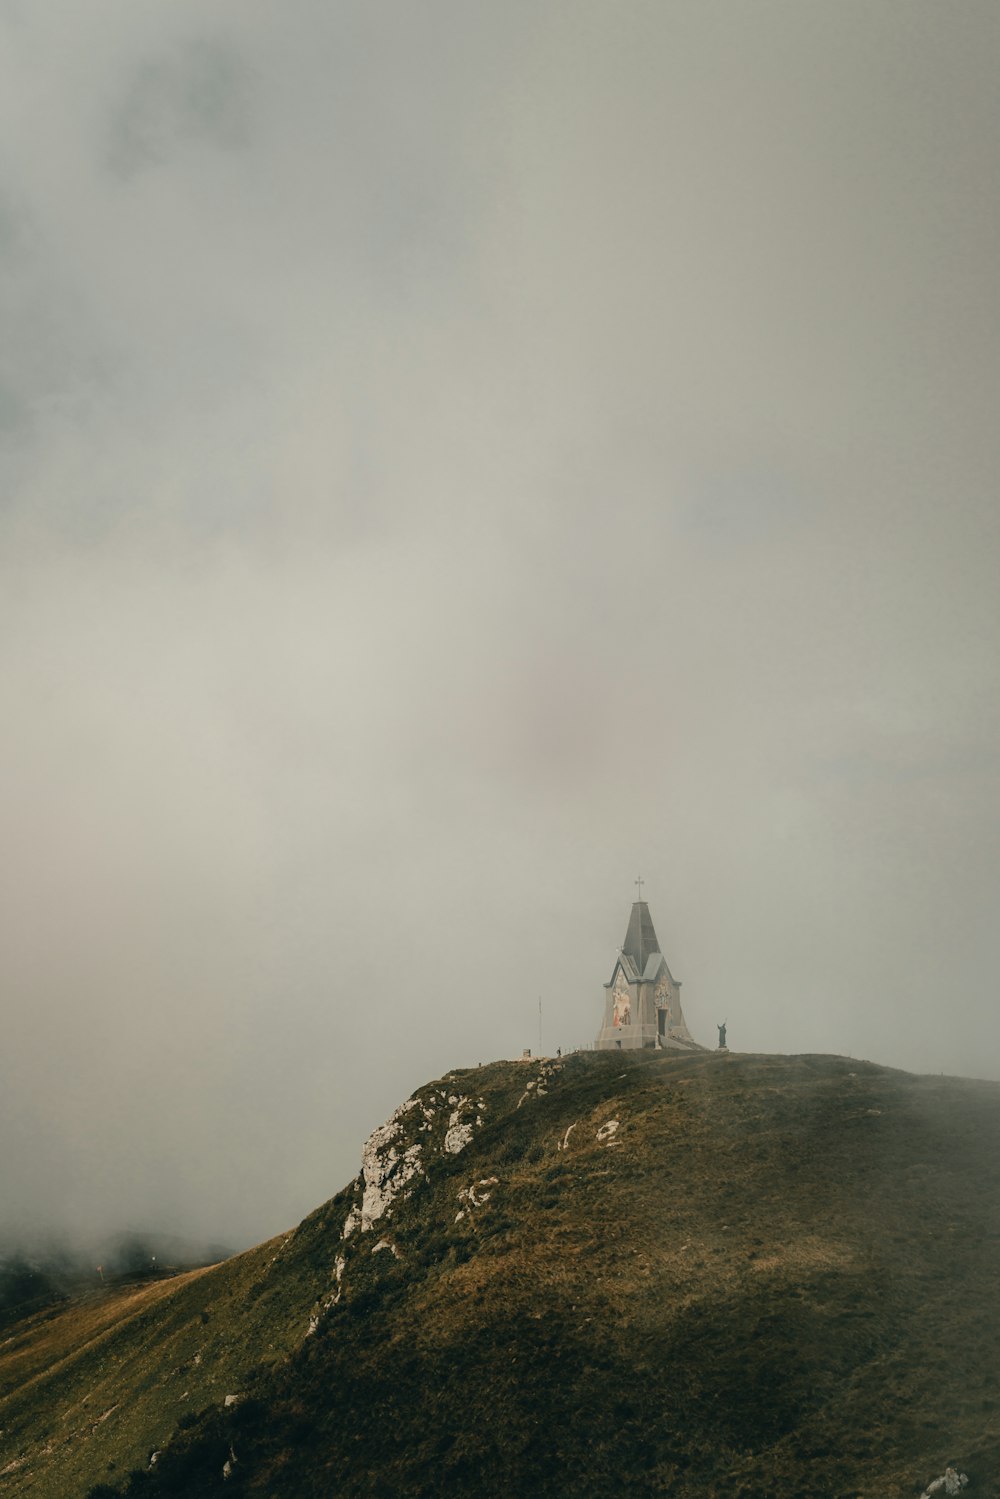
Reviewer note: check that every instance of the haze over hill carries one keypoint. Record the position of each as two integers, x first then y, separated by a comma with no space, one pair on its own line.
638,1273
454,458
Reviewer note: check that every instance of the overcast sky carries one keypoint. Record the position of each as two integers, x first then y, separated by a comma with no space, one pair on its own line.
453,459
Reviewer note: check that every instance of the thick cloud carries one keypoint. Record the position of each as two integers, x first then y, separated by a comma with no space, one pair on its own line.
452,461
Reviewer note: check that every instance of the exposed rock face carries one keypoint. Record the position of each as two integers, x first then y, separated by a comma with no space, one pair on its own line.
386,1168
393,1162
458,1135
950,1482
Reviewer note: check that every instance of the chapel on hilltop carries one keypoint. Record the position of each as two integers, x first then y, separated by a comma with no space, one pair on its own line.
642,999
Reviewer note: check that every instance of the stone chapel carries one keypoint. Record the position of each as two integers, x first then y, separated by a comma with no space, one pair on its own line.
642,999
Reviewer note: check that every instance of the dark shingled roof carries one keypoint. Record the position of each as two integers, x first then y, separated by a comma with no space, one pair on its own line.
640,933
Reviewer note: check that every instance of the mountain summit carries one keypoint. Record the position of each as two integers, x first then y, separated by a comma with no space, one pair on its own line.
642,1273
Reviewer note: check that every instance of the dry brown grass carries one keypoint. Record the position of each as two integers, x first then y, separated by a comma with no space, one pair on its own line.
42,1344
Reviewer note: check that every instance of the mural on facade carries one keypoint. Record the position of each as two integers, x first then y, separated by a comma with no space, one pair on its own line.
623,1002
663,997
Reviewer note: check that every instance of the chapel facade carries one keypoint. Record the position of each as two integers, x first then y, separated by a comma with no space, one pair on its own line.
642,999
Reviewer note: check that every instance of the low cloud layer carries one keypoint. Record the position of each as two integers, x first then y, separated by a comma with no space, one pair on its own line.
450,463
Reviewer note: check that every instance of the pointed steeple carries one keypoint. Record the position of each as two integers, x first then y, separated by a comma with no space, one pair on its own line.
640,939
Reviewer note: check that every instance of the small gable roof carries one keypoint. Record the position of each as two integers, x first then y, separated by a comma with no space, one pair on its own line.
624,965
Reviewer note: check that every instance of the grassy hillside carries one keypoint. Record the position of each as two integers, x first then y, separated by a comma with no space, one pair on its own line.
89,1388
623,1274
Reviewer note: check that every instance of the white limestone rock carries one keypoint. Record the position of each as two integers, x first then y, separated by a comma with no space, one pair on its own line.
460,1127
950,1482
395,1156
475,1195
537,1087
339,1266
459,1135
388,1171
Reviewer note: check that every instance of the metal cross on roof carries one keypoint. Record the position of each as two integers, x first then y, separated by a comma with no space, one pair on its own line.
640,882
